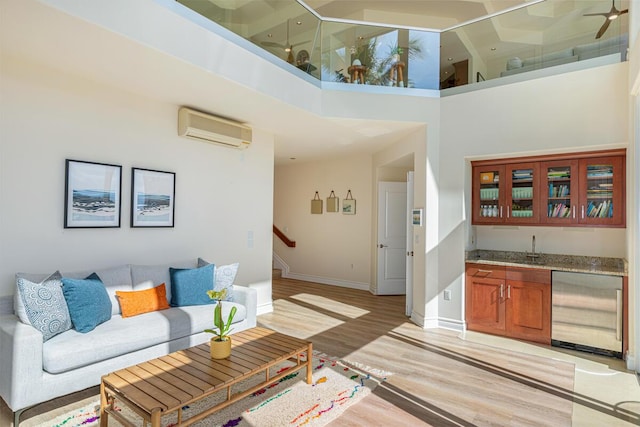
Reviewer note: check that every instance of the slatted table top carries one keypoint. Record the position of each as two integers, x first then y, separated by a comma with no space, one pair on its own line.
170,382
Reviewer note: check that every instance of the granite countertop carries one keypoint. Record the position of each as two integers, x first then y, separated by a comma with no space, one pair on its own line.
580,264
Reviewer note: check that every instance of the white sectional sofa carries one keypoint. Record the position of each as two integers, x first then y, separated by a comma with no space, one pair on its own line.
33,371
617,44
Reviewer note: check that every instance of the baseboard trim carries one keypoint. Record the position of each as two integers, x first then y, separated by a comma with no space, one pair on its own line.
326,281
279,264
631,363
264,309
417,318
452,324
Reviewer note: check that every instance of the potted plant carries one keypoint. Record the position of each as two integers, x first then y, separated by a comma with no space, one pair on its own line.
394,53
220,344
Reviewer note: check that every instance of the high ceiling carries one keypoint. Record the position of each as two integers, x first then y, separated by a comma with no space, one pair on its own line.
99,53
433,14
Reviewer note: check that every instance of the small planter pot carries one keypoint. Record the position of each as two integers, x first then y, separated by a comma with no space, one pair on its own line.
220,349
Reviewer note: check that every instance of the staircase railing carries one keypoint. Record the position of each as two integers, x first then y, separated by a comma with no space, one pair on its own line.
290,243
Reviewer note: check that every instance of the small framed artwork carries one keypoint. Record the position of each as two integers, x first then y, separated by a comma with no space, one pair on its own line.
152,198
416,217
332,202
349,207
92,194
349,204
316,204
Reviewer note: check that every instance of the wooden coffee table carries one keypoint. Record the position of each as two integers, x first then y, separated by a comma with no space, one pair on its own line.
165,385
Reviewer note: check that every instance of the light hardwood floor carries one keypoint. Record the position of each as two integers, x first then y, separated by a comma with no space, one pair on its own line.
441,377
445,378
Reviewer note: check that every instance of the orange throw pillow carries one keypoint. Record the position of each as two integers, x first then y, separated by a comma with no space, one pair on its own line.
137,302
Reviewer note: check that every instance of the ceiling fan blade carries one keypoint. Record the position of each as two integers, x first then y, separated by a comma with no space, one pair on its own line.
596,14
624,11
603,28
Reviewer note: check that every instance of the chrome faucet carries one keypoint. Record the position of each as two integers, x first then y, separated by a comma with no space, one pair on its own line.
533,254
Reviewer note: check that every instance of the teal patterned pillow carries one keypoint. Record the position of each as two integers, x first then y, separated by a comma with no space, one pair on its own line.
45,306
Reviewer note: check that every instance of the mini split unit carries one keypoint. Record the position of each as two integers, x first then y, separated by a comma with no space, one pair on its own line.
216,130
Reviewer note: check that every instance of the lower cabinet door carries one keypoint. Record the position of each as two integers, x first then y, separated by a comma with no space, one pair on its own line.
485,308
528,311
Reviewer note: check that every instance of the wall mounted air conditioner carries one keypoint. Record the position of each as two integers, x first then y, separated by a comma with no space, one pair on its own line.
216,130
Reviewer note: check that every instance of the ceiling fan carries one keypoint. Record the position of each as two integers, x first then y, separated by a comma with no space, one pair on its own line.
609,16
287,46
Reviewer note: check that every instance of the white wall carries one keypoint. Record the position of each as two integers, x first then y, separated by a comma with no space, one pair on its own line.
330,248
584,110
47,116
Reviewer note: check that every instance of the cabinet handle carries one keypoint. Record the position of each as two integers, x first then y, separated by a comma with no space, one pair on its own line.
500,211
502,291
574,211
582,210
507,211
485,271
509,292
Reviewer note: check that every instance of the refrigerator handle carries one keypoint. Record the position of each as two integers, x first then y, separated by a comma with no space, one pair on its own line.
618,315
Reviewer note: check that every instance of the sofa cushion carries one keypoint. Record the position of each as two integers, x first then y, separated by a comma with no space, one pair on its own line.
514,63
602,47
71,350
189,286
88,302
18,303
224,276
44,305
114,279
148,276
133,303
553,57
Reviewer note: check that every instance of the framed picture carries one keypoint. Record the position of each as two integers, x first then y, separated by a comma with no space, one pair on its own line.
152,198
349,206
416,216
92,195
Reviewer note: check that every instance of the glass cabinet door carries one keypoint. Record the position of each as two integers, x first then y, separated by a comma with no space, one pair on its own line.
522,197
488,197
560,197
602,190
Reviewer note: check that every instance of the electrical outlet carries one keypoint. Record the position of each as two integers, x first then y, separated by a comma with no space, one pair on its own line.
447,295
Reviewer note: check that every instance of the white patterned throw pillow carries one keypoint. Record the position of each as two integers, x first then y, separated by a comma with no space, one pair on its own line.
44,305
224,276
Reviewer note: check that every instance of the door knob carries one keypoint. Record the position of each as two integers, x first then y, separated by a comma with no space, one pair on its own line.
382,246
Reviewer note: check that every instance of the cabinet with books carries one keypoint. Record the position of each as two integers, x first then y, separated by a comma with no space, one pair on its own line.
602,191
573,189
559,191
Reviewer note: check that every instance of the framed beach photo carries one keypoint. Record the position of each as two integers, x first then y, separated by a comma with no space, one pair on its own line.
152,198
92,195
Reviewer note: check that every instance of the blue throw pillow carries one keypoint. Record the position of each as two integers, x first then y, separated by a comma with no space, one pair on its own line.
189,286
88,302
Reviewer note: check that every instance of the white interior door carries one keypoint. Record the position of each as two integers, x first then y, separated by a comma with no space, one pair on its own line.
409,245
392,238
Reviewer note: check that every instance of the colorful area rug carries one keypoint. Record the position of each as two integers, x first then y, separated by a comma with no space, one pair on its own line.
288,402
